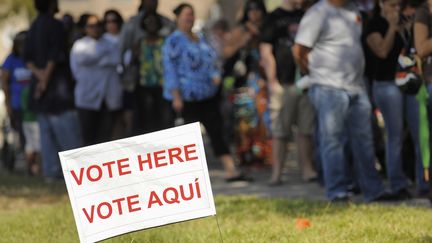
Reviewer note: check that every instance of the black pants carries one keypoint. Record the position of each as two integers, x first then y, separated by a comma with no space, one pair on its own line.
152,112
96,125
16,122
208,113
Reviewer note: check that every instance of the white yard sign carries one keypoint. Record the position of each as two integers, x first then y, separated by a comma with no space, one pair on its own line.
140,182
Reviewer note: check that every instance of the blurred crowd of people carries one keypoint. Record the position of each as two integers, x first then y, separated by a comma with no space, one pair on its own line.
323,71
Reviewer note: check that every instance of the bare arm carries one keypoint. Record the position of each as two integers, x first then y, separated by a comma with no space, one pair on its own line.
380,46
49,69
43,76
300,54
423,43
177,100
268,62
38,73
235,40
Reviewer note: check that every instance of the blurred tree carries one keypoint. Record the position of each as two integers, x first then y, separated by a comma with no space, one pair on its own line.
11,8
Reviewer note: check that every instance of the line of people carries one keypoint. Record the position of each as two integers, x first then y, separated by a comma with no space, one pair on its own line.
314,70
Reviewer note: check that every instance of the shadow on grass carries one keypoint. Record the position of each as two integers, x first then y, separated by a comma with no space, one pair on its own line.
423,239
16,185
291,208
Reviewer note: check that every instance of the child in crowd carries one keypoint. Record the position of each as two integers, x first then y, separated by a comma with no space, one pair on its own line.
15,83
31,134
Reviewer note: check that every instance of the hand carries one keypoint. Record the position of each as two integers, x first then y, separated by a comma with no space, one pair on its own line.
177,104
245,38
275,87
40,89
254,30
217,81
393,19
41,84
39,74
261,83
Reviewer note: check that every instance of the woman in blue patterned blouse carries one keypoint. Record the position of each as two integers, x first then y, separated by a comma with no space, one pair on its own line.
192,81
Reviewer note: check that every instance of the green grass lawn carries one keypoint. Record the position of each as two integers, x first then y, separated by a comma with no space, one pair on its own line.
33,212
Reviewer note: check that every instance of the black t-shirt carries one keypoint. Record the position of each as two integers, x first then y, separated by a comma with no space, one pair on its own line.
383,69
279,29
47,41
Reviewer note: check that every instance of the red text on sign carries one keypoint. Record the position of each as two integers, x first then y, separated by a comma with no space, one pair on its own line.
105,210
95,173
167,157
172,195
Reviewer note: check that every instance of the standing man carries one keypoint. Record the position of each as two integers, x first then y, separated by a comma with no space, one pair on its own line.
131,35
132,31
288,105
328,48
51,88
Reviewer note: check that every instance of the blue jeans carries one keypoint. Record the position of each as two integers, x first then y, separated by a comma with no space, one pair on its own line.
345,115
59,132
389,99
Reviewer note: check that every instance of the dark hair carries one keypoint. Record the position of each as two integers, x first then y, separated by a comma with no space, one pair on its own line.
19,39
149,15
117,16
411,3
43,6
221,24
377,9
142,7
67,18
258,4
177,10
68,22
82,21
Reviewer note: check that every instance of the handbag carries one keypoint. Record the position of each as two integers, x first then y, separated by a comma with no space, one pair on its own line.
130,76
409,74
129,73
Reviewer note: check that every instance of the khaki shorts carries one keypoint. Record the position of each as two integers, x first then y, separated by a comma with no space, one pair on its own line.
290,108
32,137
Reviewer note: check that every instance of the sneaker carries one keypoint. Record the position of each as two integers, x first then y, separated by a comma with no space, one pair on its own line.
240,177
275,183
354,190
385,197
341,199
426,194
403,194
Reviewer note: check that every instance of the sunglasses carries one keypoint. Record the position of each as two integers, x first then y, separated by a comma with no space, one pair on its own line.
93,26
111,21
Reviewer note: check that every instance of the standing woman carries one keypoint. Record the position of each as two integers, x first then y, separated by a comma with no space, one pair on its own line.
386,39
191,83
113,23
152,112
250,97
243,41
98,91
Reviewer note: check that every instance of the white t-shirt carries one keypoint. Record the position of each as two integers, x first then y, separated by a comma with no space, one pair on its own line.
334,35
